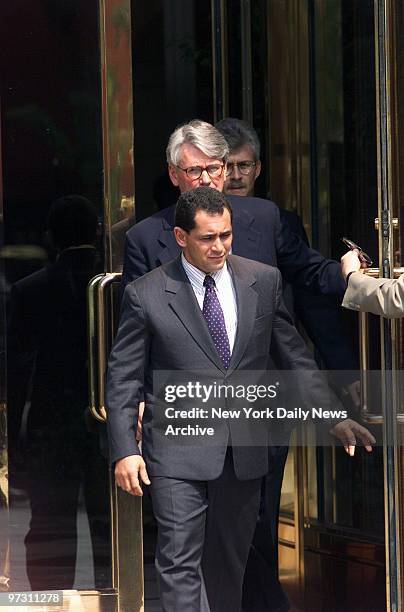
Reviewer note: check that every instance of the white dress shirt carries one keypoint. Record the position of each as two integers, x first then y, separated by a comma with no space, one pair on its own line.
224,290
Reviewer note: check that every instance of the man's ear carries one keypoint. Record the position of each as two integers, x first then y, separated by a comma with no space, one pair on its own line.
257,168
172,171
180,236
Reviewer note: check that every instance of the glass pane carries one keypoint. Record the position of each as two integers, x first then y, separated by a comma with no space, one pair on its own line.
51,147
347,521
345,203
236,54
172,83
346,125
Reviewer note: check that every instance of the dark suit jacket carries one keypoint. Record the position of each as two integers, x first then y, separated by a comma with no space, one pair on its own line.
321,316
162,328
263,233
259,234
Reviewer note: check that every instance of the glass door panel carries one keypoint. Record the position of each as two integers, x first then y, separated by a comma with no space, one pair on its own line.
344,524
59,529
358,132
181,56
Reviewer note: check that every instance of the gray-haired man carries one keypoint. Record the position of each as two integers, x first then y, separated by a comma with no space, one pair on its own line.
196,157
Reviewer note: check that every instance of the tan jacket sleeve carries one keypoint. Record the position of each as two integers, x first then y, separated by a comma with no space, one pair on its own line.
381,296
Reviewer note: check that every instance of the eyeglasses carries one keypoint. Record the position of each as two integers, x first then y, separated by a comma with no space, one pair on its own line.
364,257
244,167
195,172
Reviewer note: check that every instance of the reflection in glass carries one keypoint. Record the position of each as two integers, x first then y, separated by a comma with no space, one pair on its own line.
51,146
54,445
346,203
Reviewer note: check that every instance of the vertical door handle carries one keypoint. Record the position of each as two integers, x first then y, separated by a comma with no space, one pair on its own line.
98,315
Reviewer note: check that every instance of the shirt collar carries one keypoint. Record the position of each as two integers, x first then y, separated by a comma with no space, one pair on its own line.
196,276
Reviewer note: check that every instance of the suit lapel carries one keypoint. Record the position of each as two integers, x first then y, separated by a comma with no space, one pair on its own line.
186,307
246,308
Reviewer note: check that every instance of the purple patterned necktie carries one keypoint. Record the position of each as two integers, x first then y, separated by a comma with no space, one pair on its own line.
213,313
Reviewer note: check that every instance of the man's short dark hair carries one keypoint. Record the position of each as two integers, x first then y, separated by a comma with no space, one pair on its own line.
238,133
73,221
207,199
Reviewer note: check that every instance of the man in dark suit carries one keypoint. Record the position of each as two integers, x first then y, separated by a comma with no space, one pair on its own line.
259,234
193,150
204,311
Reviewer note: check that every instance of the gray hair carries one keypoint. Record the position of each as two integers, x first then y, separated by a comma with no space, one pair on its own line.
238,133
200,134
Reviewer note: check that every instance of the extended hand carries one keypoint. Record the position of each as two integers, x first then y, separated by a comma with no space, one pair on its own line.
350,262
127,472
349,431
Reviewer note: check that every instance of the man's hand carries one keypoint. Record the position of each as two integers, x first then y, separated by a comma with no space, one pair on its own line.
349,431
350,262
127,472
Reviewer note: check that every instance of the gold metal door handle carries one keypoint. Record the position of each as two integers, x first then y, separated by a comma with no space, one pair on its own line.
92,346
395,221
97,342
368,417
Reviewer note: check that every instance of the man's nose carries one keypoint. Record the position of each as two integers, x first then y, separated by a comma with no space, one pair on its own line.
217,245
205,178
236,172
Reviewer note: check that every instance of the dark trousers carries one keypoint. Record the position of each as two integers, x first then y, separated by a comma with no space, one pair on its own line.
262,591
205,528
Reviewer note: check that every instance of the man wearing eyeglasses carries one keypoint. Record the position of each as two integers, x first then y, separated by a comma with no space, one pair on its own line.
196,156
243,162
190,167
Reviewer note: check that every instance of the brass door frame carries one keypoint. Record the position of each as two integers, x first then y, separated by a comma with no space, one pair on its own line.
386,92
117,114
119,189
290,184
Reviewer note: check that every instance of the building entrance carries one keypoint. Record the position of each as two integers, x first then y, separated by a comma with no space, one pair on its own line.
90,93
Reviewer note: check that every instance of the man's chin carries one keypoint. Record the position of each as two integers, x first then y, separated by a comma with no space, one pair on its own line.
215,265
